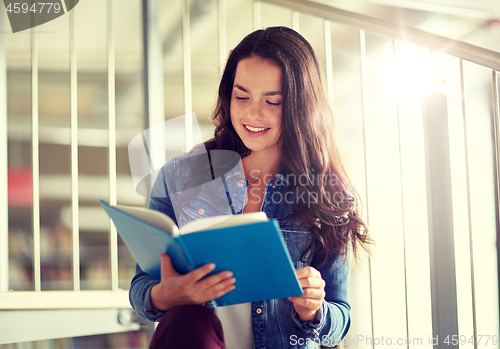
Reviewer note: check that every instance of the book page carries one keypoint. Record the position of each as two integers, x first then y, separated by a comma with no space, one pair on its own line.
153,217
223,222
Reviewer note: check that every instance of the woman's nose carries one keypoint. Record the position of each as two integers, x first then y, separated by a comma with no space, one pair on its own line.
256,110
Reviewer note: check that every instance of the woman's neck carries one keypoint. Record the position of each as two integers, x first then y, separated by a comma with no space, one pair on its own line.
259,164
259,168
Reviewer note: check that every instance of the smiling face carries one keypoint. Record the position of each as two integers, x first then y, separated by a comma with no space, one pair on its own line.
256,104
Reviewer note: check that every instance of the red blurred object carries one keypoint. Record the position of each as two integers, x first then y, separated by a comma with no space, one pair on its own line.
20,186
494,22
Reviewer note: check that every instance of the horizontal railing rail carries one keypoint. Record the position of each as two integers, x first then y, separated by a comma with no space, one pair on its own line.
456,48
21,300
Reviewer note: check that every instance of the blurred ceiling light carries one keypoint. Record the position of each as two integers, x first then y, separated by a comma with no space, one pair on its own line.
412,75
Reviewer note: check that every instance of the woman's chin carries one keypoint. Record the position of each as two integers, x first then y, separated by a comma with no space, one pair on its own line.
264,149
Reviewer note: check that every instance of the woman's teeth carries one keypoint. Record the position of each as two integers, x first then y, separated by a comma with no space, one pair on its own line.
255,129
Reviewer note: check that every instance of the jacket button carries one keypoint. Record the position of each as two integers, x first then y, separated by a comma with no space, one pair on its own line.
259,310
240,183
201,212
298,221
274,186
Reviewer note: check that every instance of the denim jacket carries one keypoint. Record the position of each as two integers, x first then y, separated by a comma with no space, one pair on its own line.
275,322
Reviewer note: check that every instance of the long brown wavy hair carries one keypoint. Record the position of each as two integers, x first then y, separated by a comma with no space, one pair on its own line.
307,139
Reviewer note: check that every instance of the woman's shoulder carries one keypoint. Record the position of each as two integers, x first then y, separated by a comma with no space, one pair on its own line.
175,158
183,170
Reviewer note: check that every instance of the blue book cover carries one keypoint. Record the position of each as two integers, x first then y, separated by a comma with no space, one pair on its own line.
254,251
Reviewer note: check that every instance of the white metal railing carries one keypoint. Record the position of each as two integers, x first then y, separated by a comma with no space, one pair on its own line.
410,317
10,300
20,303
75,299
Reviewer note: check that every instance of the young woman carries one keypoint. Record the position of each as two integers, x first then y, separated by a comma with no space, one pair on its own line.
273,111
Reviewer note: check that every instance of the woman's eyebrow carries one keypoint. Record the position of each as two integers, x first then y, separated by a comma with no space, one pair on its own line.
239,87
271,93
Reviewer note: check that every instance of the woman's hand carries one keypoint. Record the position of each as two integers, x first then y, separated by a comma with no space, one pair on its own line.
175,289
313,286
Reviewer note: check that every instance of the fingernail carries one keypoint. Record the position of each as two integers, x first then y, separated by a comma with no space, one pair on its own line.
211,266
229,274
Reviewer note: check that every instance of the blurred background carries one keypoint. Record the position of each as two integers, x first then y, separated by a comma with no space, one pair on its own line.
414,85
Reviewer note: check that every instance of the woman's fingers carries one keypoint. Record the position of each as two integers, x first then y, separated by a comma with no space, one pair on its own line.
218,280
199,273
166,266
308,272
313,286
312,283
311,298
308,305
221,288
192,288
310,278
209,288
313,293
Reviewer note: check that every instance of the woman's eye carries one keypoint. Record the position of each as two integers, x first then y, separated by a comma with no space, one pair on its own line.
241,98
275,104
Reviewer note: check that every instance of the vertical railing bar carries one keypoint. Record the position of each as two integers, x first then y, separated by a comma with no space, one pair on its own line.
113,238
329,60
403,231
363,69
496,151
154,102
256,15
153,66
222,35
35,153
145,61
188,97
296,21
4,167
469,213
75,222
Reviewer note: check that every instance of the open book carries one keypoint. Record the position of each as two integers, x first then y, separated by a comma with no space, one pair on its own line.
250,245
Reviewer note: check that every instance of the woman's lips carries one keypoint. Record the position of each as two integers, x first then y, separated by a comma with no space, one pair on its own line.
255,131
256,128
